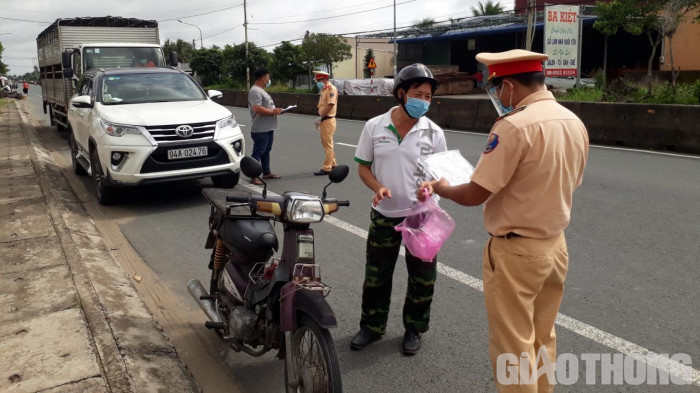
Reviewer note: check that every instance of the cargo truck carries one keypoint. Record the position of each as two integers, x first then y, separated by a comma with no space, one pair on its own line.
69,47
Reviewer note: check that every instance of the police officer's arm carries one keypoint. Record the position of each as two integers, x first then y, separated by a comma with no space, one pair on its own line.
367,177
469,194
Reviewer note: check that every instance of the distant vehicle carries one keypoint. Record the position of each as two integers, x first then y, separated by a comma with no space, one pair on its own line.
135,126
69,47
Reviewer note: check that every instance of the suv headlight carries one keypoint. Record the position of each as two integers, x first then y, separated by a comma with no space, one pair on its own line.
304,209
225,127
118,129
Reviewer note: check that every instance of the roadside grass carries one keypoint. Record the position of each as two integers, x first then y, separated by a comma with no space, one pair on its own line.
3,101
623,91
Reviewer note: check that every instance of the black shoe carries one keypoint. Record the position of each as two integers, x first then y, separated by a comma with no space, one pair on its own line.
411,342
363,338
321,172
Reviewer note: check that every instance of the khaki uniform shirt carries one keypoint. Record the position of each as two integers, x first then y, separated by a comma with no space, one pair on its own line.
329,96
533,161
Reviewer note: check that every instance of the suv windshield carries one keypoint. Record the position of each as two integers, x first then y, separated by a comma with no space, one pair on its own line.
147,87
113,57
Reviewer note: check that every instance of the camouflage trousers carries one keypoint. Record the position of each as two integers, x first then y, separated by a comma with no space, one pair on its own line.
383,245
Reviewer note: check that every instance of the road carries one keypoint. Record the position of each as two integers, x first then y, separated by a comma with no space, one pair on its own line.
631,286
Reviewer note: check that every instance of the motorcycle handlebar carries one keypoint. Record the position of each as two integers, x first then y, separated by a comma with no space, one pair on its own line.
236,198
343,203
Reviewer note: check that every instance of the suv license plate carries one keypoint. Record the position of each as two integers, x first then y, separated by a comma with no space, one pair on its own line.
189,152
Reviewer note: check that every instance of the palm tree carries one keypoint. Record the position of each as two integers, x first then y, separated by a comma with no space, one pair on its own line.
426,23
488,8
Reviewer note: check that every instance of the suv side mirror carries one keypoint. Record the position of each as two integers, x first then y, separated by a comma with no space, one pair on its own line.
215,94
82,102
173,59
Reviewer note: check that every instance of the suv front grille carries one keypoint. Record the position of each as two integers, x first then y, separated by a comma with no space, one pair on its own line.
166,134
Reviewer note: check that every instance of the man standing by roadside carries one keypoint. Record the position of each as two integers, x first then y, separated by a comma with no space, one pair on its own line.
25,88
532,163
327,106
264,116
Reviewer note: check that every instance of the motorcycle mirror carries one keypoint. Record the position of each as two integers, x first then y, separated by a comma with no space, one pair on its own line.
339,173
251,167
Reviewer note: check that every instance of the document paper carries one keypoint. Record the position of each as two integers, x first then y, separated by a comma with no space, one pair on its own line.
448,164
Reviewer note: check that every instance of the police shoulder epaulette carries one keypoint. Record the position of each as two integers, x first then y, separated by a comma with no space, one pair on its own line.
516,110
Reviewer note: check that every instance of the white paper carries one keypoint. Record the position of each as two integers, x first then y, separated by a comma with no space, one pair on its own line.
288,108
448,164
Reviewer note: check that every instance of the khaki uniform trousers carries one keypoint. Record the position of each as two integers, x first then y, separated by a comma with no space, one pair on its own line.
523,287
327,131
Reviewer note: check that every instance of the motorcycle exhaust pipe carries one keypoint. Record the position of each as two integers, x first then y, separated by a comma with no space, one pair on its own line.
197,291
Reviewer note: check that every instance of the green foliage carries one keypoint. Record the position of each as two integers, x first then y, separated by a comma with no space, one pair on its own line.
424,24
621,91
588,94
207,64
184,50
368,55
324,49
3,66
233,68
488,8
287,62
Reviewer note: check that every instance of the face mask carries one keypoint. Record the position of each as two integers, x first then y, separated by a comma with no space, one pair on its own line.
269,82
416,108
320,85
496,100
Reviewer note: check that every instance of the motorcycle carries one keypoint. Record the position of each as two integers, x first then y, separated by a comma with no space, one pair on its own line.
257,302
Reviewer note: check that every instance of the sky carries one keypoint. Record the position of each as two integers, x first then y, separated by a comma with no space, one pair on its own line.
221,22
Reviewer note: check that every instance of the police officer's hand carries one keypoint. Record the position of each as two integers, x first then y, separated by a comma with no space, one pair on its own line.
380,194
432,187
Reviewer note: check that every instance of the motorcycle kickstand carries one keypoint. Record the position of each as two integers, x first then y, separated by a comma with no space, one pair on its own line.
292,377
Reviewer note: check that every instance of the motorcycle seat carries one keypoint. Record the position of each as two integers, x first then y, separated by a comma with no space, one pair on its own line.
249,235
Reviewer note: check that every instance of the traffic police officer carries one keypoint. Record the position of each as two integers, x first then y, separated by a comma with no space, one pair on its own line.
534,159
327,107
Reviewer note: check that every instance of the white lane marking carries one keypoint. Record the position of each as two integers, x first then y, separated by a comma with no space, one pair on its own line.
592,333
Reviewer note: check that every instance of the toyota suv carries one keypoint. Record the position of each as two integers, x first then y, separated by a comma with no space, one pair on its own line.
133,126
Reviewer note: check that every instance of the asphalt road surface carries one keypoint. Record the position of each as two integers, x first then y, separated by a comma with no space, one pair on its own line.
632,284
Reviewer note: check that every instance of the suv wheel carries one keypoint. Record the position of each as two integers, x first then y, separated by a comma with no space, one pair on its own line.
106,195
226,181
77,168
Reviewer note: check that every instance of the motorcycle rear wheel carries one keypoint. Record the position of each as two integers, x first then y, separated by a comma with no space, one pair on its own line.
317,362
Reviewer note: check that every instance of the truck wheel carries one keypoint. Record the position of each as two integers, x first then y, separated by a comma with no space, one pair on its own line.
226,181
77,168
106,195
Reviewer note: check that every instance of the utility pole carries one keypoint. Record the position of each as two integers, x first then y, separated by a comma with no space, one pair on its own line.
245,25
396,54
529,34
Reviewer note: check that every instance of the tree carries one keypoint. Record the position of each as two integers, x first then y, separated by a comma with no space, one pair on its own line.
207,64
488,8
183,48
642,17
674,13
324,49
287,62
234,66
368,55
3,66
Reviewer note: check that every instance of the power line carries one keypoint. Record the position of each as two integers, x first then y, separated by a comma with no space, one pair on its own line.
24,20
205,13
328,17
225,31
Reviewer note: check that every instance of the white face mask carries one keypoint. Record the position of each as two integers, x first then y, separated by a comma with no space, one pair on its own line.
269,82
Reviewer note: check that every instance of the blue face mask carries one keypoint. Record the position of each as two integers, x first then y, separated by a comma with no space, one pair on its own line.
495,97
320,85
268,83
416,108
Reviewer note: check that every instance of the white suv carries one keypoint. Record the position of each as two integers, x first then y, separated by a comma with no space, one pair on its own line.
132,126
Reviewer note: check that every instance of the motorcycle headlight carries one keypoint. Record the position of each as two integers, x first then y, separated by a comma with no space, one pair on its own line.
304,209
225,128
118,129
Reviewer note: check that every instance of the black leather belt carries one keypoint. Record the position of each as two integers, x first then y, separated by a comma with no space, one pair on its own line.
508,235
326,117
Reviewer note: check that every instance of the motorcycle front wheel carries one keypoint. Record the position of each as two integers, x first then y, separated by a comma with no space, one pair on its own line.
317,364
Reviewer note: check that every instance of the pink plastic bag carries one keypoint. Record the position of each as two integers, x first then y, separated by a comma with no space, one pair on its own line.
425,231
